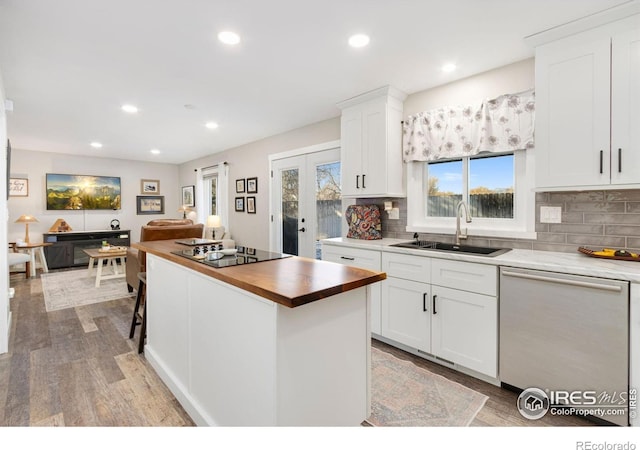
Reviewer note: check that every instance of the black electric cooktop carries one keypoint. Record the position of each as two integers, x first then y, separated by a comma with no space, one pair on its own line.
213,256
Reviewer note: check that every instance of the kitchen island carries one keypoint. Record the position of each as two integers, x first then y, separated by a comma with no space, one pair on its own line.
280,342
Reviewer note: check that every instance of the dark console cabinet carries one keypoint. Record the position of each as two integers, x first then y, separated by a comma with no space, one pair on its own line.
66,250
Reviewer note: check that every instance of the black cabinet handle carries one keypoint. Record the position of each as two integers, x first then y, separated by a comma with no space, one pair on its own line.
424,302
348,259
619,160
601,156
363,186
433,306
357,181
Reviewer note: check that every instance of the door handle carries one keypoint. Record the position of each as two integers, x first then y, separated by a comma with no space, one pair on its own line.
357,181
601,158
363,186
302,229
433,306
619,161
424,302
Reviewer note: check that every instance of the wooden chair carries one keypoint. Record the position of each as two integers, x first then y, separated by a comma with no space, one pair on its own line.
16,258
138,317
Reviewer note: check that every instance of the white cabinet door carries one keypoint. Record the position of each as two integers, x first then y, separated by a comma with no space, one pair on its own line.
464,329
363,259
625,114
371,144
406,313
572,113
351,150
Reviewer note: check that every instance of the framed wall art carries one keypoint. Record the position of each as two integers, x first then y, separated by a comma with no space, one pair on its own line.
240,185
149,186
189,196
149,204
251,205
240,204
252,185
18,187
77,192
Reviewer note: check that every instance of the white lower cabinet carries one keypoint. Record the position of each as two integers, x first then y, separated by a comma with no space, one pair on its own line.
363,259
445,308
405,312
464,329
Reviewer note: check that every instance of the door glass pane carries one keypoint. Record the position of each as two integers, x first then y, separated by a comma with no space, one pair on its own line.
444,188
328,204
491,186
290,197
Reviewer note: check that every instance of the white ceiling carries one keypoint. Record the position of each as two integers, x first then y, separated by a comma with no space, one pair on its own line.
68,65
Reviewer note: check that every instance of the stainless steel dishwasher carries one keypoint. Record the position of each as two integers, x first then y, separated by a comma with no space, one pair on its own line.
566,333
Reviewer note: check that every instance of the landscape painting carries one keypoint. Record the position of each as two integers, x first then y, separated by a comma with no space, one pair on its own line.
73,192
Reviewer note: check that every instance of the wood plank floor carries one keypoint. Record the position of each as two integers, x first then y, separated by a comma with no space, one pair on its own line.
77,367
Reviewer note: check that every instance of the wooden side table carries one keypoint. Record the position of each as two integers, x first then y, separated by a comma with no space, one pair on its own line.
34,250
106,258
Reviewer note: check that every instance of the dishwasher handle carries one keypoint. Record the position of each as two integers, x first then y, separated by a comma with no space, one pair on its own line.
586,284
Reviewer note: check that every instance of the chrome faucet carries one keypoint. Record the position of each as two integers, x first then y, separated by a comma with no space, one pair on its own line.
459,233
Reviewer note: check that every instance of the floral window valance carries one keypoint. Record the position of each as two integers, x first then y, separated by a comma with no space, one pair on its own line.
499,125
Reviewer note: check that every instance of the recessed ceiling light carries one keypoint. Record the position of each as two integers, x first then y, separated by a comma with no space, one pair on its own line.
155,151
211,125
359,40
96,145
131,109
450,67
228,37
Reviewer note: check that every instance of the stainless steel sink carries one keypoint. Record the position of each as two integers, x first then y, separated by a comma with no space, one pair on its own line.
446,247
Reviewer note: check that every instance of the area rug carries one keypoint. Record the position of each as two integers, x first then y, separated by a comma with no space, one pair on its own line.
76,288
403,394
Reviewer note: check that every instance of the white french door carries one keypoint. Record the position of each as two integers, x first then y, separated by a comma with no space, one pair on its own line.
305,202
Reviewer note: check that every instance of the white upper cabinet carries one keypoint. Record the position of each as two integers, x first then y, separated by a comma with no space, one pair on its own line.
371,144
587,92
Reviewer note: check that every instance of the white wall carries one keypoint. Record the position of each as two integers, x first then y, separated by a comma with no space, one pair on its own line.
34,165
4,270
509,79
251,160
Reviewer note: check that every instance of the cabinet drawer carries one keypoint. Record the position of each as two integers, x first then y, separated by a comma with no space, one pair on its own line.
354,257
479,278
408,267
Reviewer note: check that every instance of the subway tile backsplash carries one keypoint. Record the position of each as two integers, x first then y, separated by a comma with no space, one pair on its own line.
590,218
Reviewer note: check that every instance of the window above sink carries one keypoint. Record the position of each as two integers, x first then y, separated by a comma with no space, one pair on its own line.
424,216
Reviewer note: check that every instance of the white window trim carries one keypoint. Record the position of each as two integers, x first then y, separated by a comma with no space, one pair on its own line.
522,226
222,170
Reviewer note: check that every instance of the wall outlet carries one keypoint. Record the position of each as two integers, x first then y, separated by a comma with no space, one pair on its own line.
550,214
394,213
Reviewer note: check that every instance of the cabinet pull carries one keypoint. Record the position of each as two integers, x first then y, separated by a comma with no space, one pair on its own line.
363,186
601,157
347,258
433,306
357,181
424,302
619,160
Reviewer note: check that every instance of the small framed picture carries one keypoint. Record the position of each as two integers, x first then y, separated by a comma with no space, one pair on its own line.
252,185
240,204
18,187
189,196
240,185
149,186
149,204
251,205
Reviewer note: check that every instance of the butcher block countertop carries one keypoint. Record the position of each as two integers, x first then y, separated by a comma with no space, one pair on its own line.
291,282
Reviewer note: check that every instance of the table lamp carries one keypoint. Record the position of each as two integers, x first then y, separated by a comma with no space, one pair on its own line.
26,219
214,222
184,209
